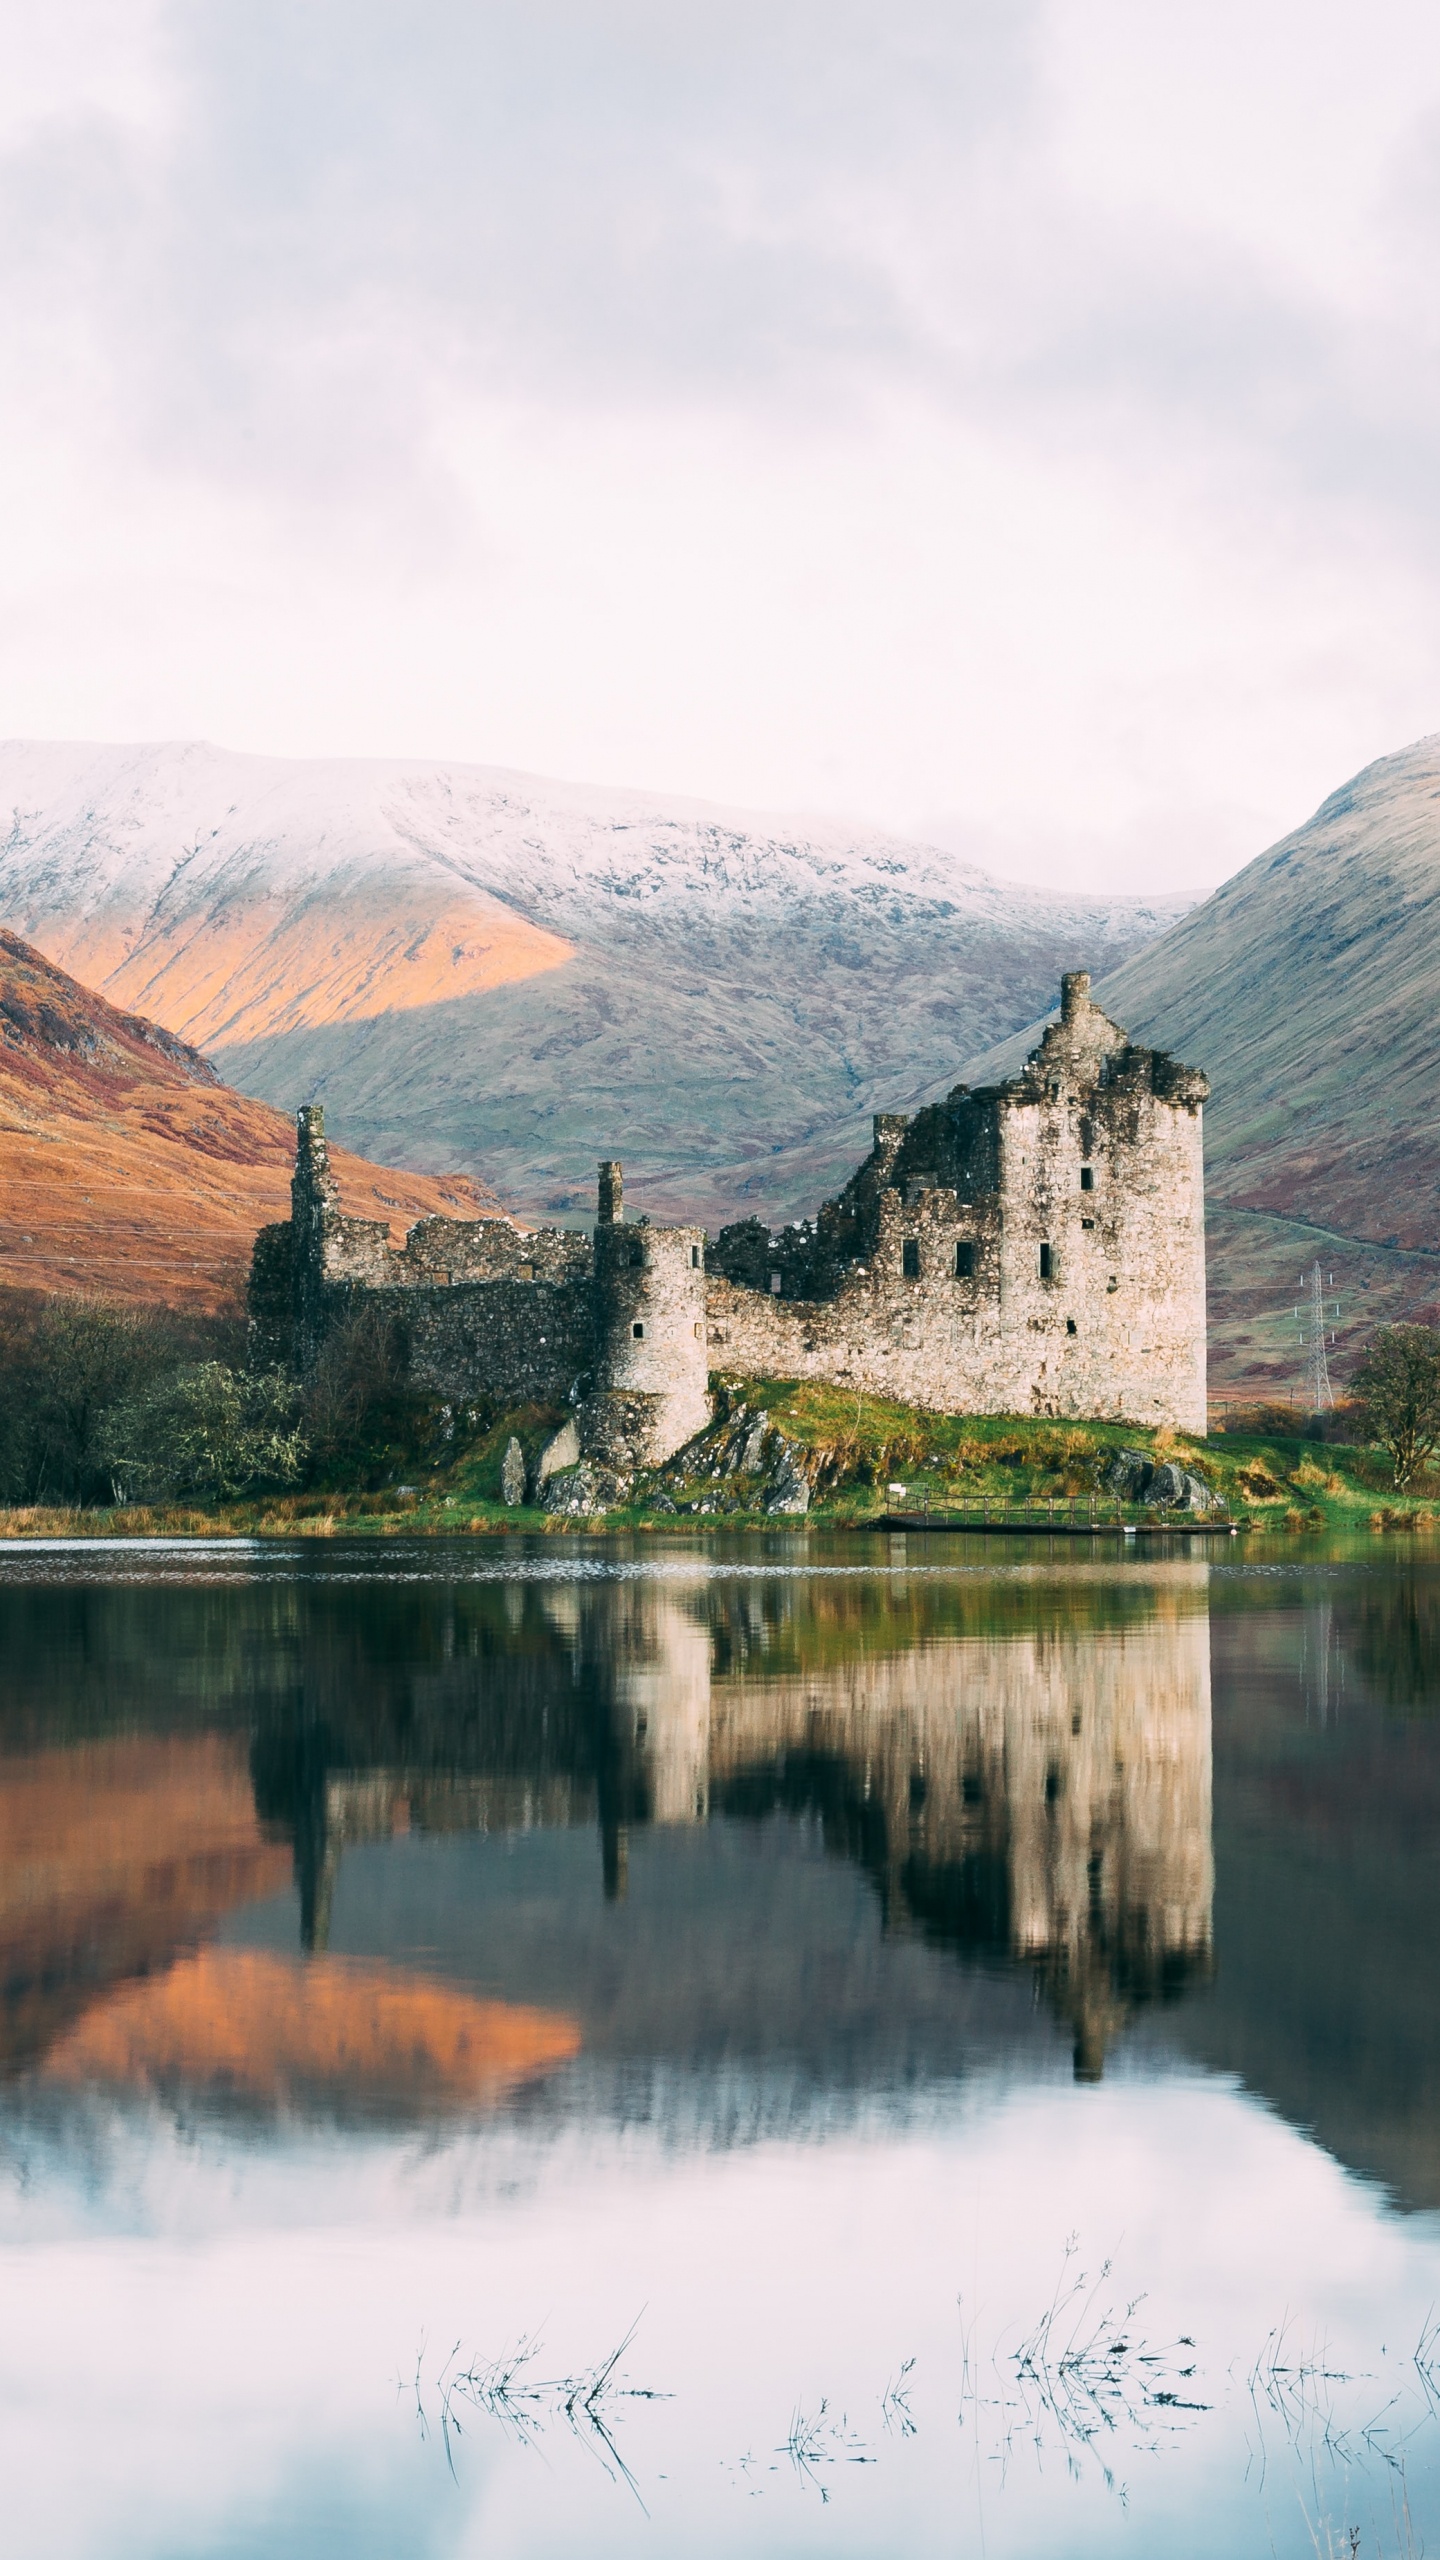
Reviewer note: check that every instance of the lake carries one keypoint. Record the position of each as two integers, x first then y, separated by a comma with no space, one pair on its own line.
852,2045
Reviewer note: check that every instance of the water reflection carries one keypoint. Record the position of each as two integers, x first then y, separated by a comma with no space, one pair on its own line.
849,1825
1016,1779
390,1952
1039,1795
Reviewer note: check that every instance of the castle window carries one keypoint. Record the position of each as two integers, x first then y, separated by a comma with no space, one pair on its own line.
694,1257
910,1258
1070,1325
964,1262
638,1330
637,1257
775,1284
699,1333
1089,1225
1047,1262
1087,1177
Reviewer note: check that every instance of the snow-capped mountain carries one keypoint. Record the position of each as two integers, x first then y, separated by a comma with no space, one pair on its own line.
516,974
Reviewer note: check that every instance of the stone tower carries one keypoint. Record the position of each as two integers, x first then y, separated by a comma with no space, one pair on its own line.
651,1356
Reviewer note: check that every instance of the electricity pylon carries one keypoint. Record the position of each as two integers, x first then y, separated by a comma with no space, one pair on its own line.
1319,1394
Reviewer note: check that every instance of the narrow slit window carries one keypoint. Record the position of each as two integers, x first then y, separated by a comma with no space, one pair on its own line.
910,1258
776,1284
1070,1325
694,1257
1087,1177
638,1330
964,1262
1047,1262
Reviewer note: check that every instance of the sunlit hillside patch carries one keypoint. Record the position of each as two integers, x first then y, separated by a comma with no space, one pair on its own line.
256,2029
129,1169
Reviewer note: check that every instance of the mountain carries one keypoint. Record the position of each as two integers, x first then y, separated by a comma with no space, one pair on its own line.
126,1166
1308,988
472,966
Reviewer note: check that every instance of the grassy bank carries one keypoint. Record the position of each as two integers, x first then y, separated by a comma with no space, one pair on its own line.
852,1449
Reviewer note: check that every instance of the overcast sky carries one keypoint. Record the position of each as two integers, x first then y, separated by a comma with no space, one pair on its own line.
1010,421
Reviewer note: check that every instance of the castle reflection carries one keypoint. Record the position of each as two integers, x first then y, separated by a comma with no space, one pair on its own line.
1036,1795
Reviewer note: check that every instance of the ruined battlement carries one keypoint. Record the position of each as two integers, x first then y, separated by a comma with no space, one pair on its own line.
1035,1246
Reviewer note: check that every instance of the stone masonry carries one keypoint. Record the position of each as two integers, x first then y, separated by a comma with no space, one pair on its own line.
1033,1247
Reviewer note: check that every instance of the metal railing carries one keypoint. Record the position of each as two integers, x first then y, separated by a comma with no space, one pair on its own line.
1070,1515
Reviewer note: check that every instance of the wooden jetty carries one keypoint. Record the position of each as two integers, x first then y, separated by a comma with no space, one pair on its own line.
1055,1518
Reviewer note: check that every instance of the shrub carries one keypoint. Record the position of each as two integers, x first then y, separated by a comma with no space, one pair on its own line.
205,1430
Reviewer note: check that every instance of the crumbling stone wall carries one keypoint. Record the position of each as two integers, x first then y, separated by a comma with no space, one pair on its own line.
481,1307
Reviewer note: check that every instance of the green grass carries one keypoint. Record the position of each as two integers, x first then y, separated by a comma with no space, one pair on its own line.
1273,1484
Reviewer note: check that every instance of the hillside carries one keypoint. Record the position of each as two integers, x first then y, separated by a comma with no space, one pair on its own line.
1308,987
126,1165
476,967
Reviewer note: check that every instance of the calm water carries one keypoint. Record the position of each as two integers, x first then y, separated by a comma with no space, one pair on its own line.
961,2020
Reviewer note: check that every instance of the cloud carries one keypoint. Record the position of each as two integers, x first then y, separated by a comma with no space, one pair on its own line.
914,352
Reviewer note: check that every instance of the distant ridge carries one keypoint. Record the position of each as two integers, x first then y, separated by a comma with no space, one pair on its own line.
480,967
1308,988
127,1167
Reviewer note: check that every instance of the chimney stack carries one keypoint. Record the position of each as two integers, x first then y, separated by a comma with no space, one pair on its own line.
612,1193
1074,992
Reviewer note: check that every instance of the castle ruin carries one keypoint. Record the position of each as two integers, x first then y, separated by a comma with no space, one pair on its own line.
1032,1247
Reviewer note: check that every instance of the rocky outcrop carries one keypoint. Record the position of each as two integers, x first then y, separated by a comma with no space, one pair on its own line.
744,1463
1132,1475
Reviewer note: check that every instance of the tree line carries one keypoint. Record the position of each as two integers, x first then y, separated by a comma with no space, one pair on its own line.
103,1404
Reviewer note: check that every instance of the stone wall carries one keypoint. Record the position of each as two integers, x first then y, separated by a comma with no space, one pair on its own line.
481,1307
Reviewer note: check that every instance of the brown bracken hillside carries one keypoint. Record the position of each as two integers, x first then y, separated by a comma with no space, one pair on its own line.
126,1166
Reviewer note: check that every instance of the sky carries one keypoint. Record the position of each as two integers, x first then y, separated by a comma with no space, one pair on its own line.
1010,423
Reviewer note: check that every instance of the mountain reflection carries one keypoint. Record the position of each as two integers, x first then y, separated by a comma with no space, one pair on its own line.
262,2032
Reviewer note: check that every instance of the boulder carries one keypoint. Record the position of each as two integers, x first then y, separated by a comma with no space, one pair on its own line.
1127,1475
562,1451
512,1474
1133,1477
578,1493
